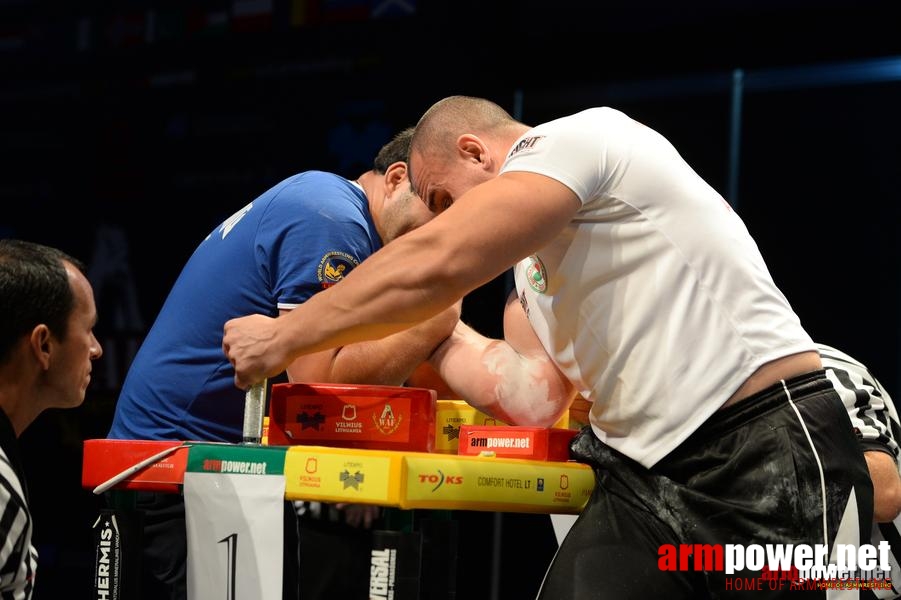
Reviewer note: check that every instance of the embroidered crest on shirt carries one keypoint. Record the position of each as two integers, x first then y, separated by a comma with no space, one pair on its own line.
334,266
525,144
536,274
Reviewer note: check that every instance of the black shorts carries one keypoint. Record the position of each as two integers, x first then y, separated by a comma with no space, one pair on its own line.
749,475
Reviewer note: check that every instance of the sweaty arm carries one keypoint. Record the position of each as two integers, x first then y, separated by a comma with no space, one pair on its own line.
388,361
411,279
511,379
426,376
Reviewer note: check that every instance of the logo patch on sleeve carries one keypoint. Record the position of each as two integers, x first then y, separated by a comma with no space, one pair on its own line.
536,274
334,266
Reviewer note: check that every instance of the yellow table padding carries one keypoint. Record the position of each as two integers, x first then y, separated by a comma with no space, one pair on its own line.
436,481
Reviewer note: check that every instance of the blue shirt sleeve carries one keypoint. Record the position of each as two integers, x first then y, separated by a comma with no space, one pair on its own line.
316,229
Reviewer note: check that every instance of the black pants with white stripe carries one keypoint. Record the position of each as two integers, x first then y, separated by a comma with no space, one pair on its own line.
771,469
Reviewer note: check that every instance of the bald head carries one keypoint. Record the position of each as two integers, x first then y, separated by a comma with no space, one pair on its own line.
455,128
453,116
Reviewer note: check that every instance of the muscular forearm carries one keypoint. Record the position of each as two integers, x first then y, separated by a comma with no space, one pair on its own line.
360,310
411,279
426,270
426,376
392,360
388,361
492,377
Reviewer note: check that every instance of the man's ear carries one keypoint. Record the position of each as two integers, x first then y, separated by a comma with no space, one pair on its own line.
40,343
471,148
395,176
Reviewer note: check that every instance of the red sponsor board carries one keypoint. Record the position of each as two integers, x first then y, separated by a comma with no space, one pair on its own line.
535,443
376,417
104,459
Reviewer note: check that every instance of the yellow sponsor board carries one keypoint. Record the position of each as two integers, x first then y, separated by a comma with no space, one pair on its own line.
496,484
343,475
450,414
427,480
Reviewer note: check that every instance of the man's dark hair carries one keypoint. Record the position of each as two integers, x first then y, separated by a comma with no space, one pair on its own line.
397,150
34,289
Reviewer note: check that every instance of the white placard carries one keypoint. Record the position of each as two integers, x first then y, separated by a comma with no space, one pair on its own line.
235,526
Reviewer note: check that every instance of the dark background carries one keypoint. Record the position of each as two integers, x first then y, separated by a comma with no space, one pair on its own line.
128,130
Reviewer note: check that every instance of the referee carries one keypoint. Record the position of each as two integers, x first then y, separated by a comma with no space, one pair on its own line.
47,345
878,428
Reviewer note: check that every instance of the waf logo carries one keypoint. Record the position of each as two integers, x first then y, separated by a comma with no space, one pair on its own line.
334,266
440,479
387,422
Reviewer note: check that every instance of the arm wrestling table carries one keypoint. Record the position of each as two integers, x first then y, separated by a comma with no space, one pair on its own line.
401,479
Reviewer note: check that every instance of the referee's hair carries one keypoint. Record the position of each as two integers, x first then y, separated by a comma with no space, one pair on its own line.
34,290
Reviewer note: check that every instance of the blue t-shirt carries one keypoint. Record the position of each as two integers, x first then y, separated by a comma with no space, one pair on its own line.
298,238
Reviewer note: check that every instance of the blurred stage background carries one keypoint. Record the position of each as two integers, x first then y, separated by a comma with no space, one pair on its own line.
129,130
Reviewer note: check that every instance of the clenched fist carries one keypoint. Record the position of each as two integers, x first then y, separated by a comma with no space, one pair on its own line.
251,347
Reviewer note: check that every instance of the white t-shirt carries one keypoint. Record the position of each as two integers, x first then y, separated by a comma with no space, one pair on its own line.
654,300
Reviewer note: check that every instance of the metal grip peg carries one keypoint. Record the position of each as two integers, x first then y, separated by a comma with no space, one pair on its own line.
254,409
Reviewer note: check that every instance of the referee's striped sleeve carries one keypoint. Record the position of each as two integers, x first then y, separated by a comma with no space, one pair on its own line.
875,419
869,406
18,558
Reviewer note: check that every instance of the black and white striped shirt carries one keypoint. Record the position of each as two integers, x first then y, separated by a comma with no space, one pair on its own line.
878,427
18,558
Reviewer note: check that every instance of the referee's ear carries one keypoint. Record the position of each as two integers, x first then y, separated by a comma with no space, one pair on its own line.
40,344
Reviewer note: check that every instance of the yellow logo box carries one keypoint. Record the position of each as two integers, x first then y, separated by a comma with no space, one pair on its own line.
450,414
496,484
422,480
343,475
